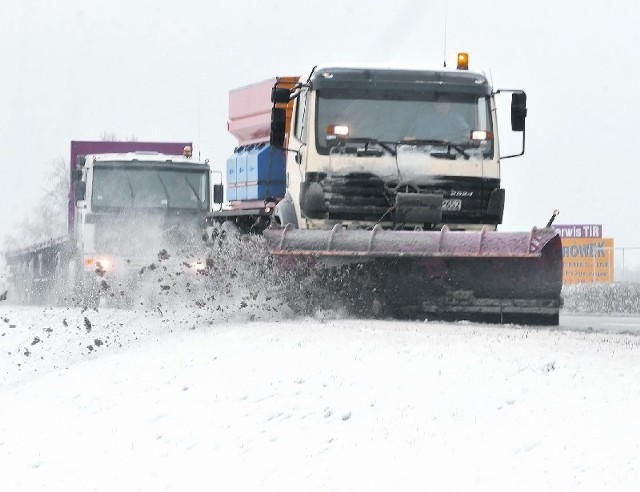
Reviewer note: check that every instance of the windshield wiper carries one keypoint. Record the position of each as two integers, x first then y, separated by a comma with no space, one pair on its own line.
166,192
130,187
450,145
367,141
195,193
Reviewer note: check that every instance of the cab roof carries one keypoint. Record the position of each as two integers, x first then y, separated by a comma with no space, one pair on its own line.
144,157
400,79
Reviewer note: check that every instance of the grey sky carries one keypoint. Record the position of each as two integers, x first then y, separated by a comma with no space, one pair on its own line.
161,70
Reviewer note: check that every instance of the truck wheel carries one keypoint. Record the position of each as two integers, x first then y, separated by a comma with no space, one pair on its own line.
220,231
229,229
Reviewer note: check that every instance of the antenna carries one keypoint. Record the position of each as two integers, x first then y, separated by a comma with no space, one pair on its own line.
445,35
198,110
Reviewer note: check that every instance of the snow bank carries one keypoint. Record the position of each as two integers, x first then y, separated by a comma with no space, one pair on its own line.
616,298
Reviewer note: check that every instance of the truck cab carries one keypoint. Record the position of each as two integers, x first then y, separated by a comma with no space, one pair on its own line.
128,201
130,206
404,149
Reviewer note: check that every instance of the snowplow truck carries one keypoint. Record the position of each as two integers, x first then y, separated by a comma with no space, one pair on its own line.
127,202
388,182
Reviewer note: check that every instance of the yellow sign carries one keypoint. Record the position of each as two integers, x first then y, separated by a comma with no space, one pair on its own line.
587,260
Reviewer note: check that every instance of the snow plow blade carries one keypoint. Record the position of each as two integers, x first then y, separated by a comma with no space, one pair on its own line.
486,276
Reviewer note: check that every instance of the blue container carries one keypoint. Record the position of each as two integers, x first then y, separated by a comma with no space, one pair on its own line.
241,193
241,173
231,169
241,166
232,193
266,173
232,178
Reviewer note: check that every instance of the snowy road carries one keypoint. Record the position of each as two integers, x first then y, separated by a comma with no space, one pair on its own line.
115,400
606,324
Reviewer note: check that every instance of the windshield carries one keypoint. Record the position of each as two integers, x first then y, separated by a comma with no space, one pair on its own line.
409,117
119,187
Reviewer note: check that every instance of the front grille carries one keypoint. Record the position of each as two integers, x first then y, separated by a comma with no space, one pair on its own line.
365,197
356,197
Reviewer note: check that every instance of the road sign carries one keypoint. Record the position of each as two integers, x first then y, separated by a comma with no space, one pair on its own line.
587,260
579,230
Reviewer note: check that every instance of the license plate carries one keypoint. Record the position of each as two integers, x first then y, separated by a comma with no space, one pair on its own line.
451,204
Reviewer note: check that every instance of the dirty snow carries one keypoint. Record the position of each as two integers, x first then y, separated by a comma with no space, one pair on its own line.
187,399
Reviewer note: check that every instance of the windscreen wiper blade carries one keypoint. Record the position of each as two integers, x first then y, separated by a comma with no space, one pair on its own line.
126,175
450,145
195,193
367,141
166,192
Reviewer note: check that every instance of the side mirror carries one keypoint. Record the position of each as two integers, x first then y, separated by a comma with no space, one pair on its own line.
218,193
280,95
518,111
81,189
278,127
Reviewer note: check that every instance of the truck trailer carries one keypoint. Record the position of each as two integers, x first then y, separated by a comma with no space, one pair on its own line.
127,202
388,181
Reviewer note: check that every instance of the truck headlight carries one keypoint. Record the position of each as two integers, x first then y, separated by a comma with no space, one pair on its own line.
198,265
98,264
103,264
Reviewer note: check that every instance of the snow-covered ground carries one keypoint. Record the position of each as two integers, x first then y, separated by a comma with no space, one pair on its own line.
202,400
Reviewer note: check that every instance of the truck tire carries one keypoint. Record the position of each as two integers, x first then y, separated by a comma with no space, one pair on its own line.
228,230
285,212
